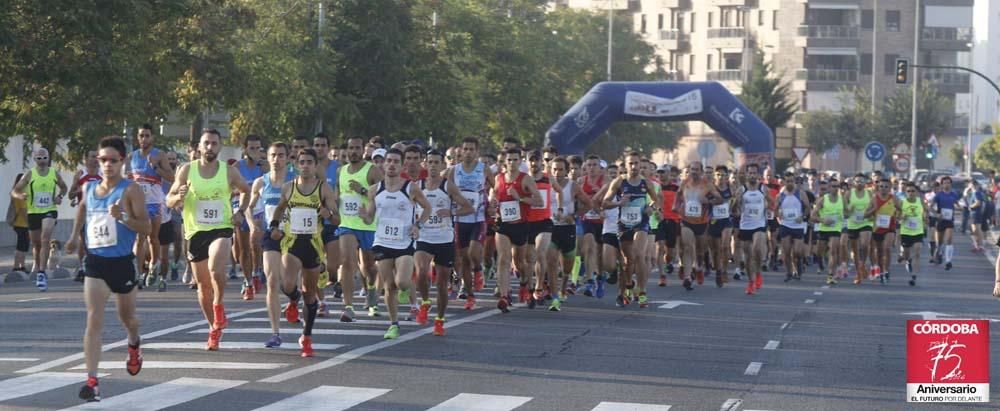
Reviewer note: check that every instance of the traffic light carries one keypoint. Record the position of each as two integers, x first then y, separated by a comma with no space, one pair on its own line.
902,70
932,151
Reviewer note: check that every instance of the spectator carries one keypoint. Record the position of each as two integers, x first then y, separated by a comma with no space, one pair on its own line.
17,218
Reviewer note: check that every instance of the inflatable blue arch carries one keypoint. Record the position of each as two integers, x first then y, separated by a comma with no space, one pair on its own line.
709,102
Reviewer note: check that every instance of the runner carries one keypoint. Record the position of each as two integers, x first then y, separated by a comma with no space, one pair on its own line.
247,253
944,207
539,220
773,188
829,214
436,240
696,196
17,218
267,191
307,199
670,227
932,238
630,194
176,229
203,188
112,212
859,227
914,218
792,208
563,245
885,211
474,179
148,167
41,183
81,178
391,205
594,186
611,246
751,206
513,195
720,227
356,235
327,168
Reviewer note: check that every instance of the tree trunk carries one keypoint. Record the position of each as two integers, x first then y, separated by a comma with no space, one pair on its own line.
196,125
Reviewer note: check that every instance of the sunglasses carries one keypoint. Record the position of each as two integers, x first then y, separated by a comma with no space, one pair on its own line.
546,159
111,160
450,157
41,158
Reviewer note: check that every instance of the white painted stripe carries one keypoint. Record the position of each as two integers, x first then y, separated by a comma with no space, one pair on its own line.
196,365
17,359
825,286
784,326
35,383
361,351
336,320
235,345
33,299
808,301
290,331
732,404
163,395
326,398
772,345
629,406
817,293
480,402
79,356
753,368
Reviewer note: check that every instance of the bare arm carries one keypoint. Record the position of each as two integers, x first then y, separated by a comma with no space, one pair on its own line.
609,194
135,206
418,197
254,198
534,197
18,191
74,189
464,206
62,186
163,167
329,199
175,197
367,213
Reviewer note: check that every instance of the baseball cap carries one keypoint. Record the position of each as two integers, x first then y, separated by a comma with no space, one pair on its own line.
379,153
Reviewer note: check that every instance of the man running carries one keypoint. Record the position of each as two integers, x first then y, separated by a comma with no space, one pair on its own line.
670,226
111,213
539,219
859,227
80,179
829,213
356,235
792,208
203,188
913,214
41,183
630,194
720,226
751,206
307,199
884,210
514,194
594,186
474,179
694,199
391,206
943,205
564,227
328,170
247,252
148,167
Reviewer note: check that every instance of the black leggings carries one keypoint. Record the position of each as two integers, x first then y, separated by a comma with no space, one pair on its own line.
23,243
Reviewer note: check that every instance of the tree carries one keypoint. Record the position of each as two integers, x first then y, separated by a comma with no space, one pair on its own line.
852,126
957,153
935,113
767,95
988,153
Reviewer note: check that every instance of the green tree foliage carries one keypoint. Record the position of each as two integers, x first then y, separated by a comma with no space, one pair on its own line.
987,155
935,113
767,96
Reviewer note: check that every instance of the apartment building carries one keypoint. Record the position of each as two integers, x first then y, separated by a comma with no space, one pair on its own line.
820,46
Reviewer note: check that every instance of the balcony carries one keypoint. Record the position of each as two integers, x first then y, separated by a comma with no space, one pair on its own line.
727,37
827,36
675,4
673,75
731,79
724,3
947,81
946,38
814,79
673,40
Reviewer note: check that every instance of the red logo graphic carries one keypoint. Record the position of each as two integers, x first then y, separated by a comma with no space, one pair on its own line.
947,360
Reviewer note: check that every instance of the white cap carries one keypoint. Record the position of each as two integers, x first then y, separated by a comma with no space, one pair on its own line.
379,153
604,164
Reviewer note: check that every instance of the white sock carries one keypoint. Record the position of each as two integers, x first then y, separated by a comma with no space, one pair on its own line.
949,252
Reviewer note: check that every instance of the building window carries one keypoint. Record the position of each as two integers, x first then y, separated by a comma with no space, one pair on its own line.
867,19
708,62
890,64
692,22
691,65
892,20
760,17
659,22
642,24
866,63
774,20
709,25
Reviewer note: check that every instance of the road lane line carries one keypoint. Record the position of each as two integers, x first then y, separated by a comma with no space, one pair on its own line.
17,359
33,299
480,402
808,301
784,326
160,396
732,404
235,345
326,398
825,286
772,345
79,356
817,293
753,368
37,383
629,406
290,331
191,365
361,351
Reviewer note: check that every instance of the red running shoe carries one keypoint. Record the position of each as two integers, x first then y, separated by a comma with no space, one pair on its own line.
470,303
307,346
663,280
247,291
503,305
292,312
760,281
422,314
214,337
523,294
257,284
133,364
439,327
699,276
480,280
220,316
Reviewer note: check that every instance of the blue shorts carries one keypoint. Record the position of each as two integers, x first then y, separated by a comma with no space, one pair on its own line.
154,211
579,227
330,234
245,226
267,244
366,239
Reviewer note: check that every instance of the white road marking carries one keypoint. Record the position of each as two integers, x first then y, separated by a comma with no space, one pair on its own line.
17,359
326,398
361,351
106,347
480,402
36,383
772,345
194,365
732,404
234,345
817,293
825,286
34,299
753,368
290,331
784,326
160,396
629,406
808,301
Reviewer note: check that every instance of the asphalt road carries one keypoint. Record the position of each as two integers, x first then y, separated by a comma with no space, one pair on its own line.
793,346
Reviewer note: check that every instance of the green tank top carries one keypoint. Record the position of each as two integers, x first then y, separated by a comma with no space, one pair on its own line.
833,210
856,215
913,218
350,201
654,219
42,192
206,206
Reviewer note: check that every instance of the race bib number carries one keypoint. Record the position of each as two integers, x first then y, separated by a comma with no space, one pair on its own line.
473,198
947,214
350,204
269,213
631,215
209,212
545,200
303,220
43,200
721,211
752,211
390,230
510,211
692,209
101,231
790,213
770,214
882,221
434,221
912,223
859,217
592,215
831,219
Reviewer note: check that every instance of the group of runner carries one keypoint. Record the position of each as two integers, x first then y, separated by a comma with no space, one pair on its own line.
311,215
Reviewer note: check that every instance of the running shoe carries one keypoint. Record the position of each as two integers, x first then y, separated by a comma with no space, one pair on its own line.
913,280
273,342
90,391
425,309
257,284
247,291
214,336
461,296
439,327
162,285
760,281
663,280
555,305
232,272
220,312
749,289
292,312
151,277
173,272
79,276
41,281
321,311
738,273
599,293
947,267
699,275
142,281
620,301
613,278
532,302
588,289
720,279
830,280
687,284
414,312
392,333
523,294
373,311
503,305
643,300
570,289
347,316
886,275
881,279
371,297
324,279
307,346
338,290
470,303
480,280
909,266
133,364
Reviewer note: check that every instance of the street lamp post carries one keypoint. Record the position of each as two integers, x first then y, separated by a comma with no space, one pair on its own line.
611,25
916,80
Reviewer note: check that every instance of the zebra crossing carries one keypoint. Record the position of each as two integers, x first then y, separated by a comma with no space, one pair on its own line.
196,393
